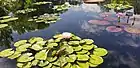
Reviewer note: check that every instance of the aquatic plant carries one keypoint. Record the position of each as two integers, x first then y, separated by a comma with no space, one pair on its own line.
113,29
40,3
118,6
47,18
24,11
64,6
57,52
5,19
99,22
3,25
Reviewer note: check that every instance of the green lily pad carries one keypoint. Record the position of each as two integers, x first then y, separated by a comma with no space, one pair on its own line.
51,41
82,42
5,17
40,3
20,65
3,25
82,57
35,39
21,42
28,65
52,44
100,52
56,63
48,66
36,47
6,53
41,43
8,20
58,40
42,64
25,57
42,55
69,49
76,38
94,46
83,65
96,60
88,41
51,59
87,47
75,66
78,48
63,61
82,52
58,36
23,48
73,42
93,65
35,62
15,55
71,58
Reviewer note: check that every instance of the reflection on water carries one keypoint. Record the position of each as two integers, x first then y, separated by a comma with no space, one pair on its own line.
123,46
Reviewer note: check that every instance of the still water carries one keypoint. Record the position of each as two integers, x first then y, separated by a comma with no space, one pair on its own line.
123,47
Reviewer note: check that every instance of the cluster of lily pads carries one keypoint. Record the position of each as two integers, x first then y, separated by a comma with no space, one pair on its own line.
47,18
64,6
118,6
5,19
24,11
62,51
41,3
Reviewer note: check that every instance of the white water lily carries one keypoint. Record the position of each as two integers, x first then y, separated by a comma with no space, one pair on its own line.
66,35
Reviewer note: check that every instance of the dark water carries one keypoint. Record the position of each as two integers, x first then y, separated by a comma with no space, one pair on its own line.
123,47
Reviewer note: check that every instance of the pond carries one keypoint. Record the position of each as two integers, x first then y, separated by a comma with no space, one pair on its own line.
84,20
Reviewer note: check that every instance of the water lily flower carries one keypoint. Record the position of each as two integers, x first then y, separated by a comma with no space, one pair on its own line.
66,35
120,14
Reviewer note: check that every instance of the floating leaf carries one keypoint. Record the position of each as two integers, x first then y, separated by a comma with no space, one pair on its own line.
6,53
23,48
21,42
15,55
42,55
20,65
58,36
5,17
83,65
75,66
57,63
51,59
100,52
36,47
62,60
41,43
52,44
73,42
69,49
9,19
42,64
71,58
28,65
76,38
113,29
40,3
48,66
87,47
93,65
82,52
3,25
25,57
35,39
96,60
88,41
35,62
82,41
51,41
82,57
58,40
78,48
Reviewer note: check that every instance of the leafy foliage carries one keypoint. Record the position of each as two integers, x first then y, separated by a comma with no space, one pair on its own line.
72,52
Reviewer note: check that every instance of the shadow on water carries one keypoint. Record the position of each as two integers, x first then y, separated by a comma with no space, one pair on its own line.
123,47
